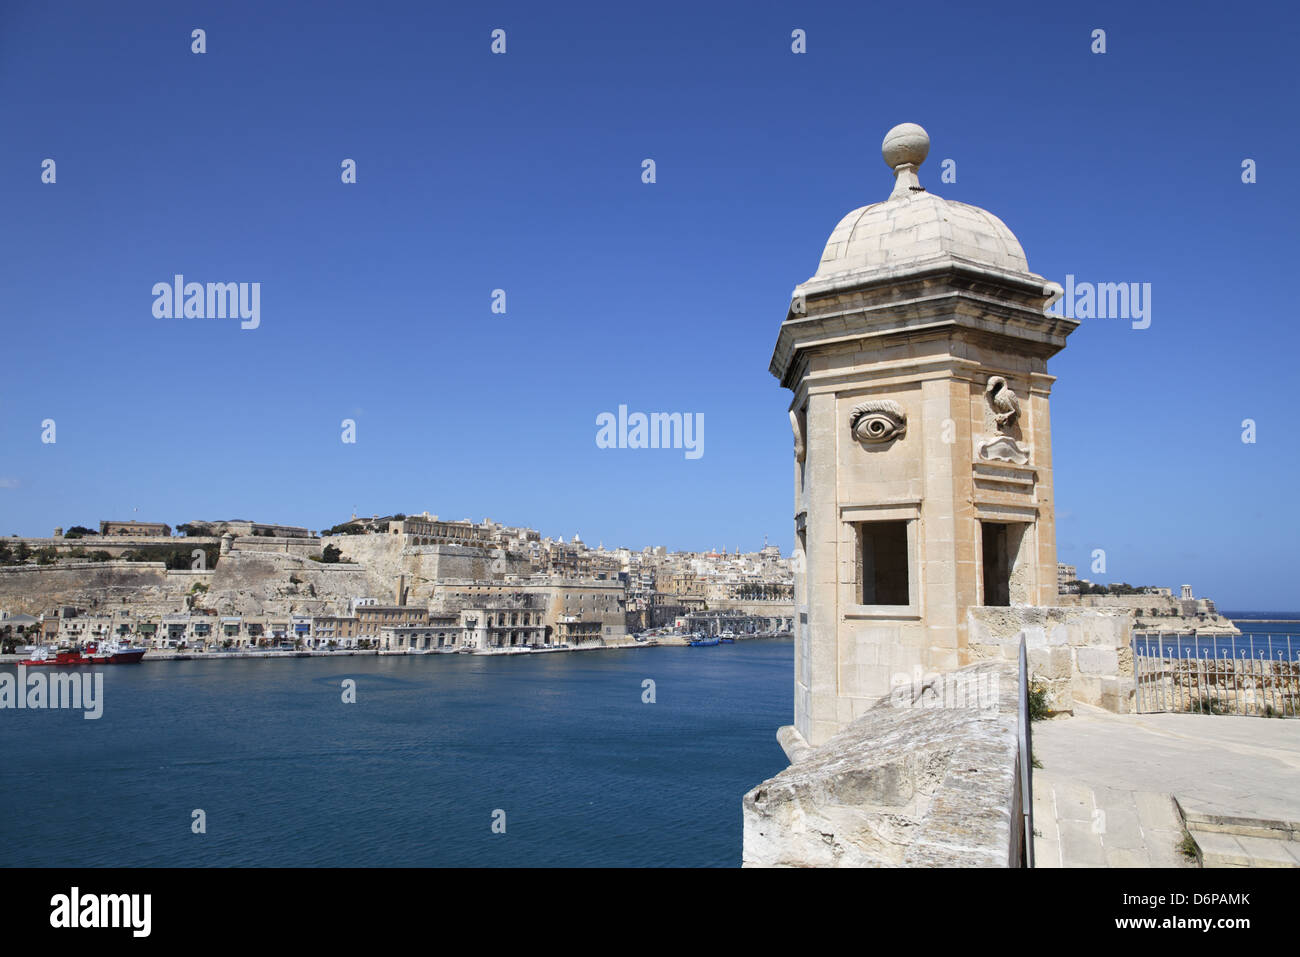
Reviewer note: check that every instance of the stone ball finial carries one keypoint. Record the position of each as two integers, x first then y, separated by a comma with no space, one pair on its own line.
905,143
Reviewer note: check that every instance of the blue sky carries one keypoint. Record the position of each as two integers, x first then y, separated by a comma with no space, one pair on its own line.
523,172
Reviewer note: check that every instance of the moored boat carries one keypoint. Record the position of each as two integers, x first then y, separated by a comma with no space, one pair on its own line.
115,652
44,656
111,652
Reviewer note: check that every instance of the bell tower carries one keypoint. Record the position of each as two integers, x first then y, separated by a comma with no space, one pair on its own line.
917,357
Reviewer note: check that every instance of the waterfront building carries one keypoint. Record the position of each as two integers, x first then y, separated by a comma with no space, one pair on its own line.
736,622
371,619
442,632
173,630
230,631
573,631
601,603
342,630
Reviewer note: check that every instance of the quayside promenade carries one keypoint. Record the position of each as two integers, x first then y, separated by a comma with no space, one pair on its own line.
172,654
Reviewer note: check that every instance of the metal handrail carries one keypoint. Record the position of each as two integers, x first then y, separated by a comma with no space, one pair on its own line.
1026,756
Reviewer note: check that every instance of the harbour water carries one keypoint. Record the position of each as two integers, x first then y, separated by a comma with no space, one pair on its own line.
411,774
1269,636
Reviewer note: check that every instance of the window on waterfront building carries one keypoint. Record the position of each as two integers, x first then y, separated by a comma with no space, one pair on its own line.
883,563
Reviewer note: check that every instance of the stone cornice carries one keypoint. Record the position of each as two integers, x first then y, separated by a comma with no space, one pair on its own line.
927,299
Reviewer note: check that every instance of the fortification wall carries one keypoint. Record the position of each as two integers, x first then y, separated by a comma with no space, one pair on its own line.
1161,602
290,546
277,583
34,589
1161,612
113,544
386,558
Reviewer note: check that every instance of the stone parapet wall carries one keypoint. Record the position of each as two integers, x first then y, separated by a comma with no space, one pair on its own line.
290,546
1121,601
113,544
1078,654
927,777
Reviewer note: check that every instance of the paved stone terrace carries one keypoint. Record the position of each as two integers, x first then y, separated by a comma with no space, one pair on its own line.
1105,794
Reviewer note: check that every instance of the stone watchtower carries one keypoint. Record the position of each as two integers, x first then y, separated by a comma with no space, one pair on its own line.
917,355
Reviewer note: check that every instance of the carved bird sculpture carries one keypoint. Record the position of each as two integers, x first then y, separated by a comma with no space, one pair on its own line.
1002,400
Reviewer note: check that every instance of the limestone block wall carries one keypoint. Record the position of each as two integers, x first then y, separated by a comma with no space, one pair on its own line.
291,546
387,558
1079,654
928,777
34,589
262,583
426,565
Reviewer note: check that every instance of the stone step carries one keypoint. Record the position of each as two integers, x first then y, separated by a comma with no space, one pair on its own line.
1218,849
1269,828
1244,827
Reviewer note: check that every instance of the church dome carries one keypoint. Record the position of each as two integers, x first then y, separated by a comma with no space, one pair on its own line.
913,227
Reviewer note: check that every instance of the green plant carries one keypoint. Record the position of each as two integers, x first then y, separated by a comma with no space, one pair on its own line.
1187,847
1206,705
1038,707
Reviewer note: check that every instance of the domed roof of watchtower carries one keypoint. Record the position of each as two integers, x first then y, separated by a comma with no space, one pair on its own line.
913,226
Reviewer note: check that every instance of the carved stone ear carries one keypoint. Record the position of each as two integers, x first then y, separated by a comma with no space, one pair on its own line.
878,420
799,426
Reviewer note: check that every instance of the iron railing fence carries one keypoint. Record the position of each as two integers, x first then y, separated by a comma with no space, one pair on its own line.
1249,674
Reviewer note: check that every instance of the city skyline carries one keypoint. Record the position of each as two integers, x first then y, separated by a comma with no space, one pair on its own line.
478,172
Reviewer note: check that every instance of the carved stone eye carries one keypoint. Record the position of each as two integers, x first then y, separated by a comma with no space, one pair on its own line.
879,420
876,428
